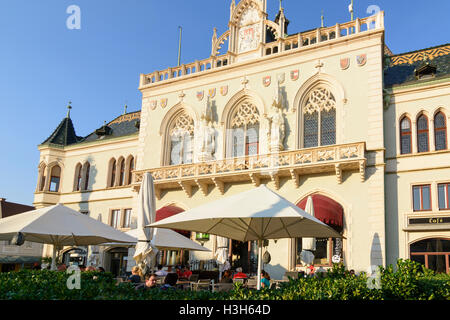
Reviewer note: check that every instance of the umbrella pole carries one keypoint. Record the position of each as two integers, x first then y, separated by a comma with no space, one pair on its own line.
53,267
259,264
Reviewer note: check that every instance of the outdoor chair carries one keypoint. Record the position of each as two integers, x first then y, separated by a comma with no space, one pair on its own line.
290,274
194,277
273,285
202,284
252,283
239,280
220,287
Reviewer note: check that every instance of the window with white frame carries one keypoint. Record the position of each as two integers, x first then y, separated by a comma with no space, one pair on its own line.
422,198
115,218
444,196
127,218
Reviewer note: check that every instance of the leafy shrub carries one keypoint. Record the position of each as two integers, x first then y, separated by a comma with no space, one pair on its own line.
407,280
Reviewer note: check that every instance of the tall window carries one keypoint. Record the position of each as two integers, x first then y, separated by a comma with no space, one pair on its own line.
112,178
440,131
422,134
78,177
87,169
319,119
444,196
181,139
130,170
115,218
422,198
55,178
122,172
405,136
42,180
245,130
127,218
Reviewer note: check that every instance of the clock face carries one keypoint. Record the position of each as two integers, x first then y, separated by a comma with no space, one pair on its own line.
248,38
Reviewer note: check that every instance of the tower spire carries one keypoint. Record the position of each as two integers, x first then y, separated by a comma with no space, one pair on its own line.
321,20
68,109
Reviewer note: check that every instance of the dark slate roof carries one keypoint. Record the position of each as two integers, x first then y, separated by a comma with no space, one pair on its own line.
8,209
401,69
64,134
123,125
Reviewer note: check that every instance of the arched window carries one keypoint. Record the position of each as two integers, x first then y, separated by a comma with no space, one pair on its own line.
122,172
112,178
182,139
319,118
440,131
87,169
55,178
405,136
245,130
42,176
433,253
422,134
130,170
77,183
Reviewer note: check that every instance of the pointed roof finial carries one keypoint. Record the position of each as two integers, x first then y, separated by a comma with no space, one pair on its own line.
68,109
125,109
281,5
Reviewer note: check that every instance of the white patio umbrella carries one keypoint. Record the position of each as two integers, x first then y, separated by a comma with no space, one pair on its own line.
166,239
256,214
60,226
308,244
145,251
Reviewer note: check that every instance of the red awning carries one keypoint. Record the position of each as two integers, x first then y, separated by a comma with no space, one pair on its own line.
326,210
166,212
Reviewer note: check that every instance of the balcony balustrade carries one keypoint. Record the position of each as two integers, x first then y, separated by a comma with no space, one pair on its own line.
291,164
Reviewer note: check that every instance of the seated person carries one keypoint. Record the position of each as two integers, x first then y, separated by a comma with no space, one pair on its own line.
179,271
226,277
265,279
186,273
160,272
150,282
135,275
239,274
170,281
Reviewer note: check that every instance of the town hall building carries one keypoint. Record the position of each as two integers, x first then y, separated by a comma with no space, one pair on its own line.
329,113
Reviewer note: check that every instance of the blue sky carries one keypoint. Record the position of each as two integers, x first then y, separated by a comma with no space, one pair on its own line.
43,64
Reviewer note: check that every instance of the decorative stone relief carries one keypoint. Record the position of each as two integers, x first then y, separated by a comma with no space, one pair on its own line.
276,133
320,99
206,135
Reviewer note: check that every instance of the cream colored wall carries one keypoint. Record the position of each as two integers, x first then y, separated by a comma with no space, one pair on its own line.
358,91
404,171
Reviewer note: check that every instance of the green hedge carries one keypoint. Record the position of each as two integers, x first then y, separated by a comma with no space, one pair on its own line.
408,280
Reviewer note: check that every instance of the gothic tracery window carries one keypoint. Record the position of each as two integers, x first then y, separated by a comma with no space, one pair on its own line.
422,134
319,118
181,139
440,131
405,136
245,130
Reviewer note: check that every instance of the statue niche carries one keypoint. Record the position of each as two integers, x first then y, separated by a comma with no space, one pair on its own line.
276,133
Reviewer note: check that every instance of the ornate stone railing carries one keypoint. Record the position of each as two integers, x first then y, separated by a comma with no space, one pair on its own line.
290,164
294,42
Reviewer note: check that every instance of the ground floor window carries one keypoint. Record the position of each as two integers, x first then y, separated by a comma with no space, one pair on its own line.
325,250
434,254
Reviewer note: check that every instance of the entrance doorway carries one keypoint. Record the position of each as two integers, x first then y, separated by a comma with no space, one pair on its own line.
433,253
118,261
244,255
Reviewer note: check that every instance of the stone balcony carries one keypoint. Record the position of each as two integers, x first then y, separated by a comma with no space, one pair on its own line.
291,164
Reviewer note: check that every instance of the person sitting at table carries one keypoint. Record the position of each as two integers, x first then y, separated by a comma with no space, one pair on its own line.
150,282
265,279
170,281
226,277
160,272
135,275
186,273
239,274
179,270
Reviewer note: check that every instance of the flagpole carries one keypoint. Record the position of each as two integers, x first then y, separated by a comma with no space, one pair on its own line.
179,47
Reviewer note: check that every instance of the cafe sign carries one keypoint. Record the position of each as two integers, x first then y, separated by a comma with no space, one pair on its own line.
431,220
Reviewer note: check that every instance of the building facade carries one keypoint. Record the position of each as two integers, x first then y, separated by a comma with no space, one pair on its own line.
318,113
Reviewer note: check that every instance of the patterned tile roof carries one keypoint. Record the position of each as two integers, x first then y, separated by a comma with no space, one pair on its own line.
402,67
63,135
